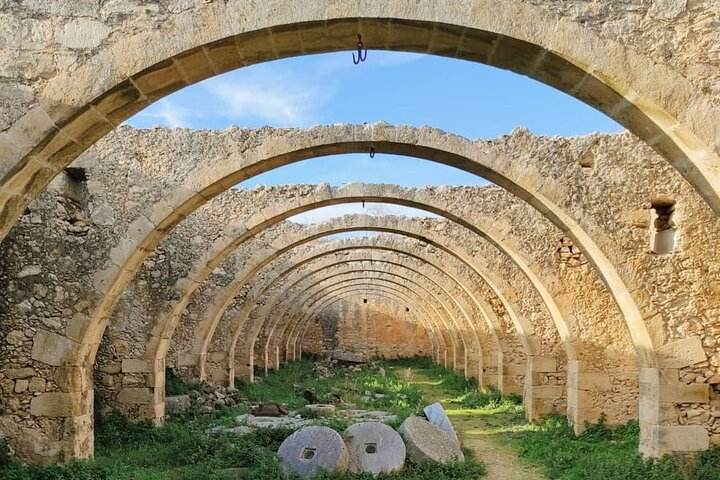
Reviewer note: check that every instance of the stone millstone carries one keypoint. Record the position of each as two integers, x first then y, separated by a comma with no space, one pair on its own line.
374,448
313,449
428,442
436,415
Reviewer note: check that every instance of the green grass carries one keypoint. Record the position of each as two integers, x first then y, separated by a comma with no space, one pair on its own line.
606,453
401,398
182,449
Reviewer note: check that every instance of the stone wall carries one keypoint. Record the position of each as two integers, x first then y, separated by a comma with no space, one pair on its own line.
512,279
380,328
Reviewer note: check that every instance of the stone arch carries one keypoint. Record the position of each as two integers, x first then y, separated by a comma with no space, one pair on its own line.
439,354
357,254
355,223
145,234
382,193
345,294
74,110
129,257
436,321
365,245
354,279
498,346
441,302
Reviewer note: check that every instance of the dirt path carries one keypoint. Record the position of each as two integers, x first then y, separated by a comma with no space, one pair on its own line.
481,434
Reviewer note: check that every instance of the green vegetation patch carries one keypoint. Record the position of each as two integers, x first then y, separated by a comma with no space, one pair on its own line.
184,449
606,453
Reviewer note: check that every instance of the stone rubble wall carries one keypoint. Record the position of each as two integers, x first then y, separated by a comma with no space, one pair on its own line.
379,329
52,258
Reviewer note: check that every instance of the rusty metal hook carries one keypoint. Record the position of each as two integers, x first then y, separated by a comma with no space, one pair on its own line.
361,50
372,152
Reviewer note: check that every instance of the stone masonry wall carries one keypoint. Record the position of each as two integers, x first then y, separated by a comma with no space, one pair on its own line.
381,328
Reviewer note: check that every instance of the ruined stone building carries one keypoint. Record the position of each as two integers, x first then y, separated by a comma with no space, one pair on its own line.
586,277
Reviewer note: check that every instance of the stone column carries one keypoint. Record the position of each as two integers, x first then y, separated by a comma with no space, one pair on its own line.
474,367
142,395
47,404
583,383
540,399
661,394
508,382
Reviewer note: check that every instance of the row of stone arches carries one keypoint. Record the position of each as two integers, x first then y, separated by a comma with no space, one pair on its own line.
132,250
659,100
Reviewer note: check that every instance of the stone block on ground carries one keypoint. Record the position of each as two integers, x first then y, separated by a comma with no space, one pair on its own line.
436,415
177,404
270,422
321,410
428,442
374,448
368,415
313,449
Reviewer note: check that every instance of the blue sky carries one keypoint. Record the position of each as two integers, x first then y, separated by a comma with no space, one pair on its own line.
465,98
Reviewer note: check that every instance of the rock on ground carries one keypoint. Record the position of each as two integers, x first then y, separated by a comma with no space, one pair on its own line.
436,415
312,449
177,403
374,448
428,442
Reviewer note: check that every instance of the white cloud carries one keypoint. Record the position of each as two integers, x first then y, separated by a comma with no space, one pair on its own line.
168,114
270,95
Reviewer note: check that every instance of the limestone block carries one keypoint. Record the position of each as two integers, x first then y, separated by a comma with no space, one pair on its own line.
547,391
321,410
136,365
428,442
135,396
374,448
77,325
59,404
21,386
690,438
311,450
51,348
590,381
435,414
16,373
543,363
83,33
693,393
682,353
177,403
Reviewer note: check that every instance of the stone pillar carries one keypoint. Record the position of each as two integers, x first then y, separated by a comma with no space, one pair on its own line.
217,368
490,371
52,413
660,431
583,383
474,367
540,399
142,396
245,367
508,378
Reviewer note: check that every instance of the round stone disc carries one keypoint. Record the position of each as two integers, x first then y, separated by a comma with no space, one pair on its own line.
374,448
312,449
428,442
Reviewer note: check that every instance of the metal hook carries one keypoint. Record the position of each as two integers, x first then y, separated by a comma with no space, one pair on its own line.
361,50
372,152
363,203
